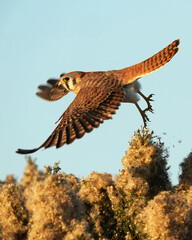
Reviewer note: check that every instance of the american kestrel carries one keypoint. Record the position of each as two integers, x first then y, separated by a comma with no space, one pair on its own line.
99,95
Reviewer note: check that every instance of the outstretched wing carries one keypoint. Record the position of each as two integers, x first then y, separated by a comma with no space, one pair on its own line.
51,91
132,73
91,107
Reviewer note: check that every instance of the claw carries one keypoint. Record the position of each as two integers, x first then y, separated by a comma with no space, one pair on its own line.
143,115
148,100
150,96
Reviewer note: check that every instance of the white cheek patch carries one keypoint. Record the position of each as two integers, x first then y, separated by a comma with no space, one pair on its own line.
71,84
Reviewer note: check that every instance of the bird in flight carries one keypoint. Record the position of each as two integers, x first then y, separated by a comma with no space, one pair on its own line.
99,95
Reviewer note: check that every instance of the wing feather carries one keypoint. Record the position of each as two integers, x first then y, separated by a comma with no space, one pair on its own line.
88,110
51,91
79,130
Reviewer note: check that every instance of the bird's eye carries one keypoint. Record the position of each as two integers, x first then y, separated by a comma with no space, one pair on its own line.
67,78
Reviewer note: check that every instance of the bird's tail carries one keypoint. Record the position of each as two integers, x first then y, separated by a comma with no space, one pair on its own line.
132,73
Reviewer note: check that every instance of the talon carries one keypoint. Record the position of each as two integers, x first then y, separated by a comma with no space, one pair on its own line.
149,97
149,108
143,115
148,100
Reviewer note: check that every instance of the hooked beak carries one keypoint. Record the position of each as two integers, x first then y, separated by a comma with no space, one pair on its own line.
61,82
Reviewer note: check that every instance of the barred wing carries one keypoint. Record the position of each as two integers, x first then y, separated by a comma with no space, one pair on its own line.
91,107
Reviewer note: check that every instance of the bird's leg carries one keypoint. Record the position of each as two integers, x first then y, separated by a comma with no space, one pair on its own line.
143,115
148,100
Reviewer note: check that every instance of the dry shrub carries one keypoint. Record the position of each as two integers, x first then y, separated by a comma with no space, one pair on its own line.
31,174
145,170
13,214
139,203
73,181
143,176
99,213
168,216
55,211
186,174
10,179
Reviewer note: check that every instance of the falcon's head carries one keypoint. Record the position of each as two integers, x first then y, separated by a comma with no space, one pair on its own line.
69,80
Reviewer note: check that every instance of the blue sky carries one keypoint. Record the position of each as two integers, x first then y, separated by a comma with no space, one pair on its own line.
42,39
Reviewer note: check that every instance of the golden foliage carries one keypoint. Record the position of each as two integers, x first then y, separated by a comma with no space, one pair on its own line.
138,203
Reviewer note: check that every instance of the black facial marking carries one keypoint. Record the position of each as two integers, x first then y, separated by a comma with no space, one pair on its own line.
74,81
67,85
